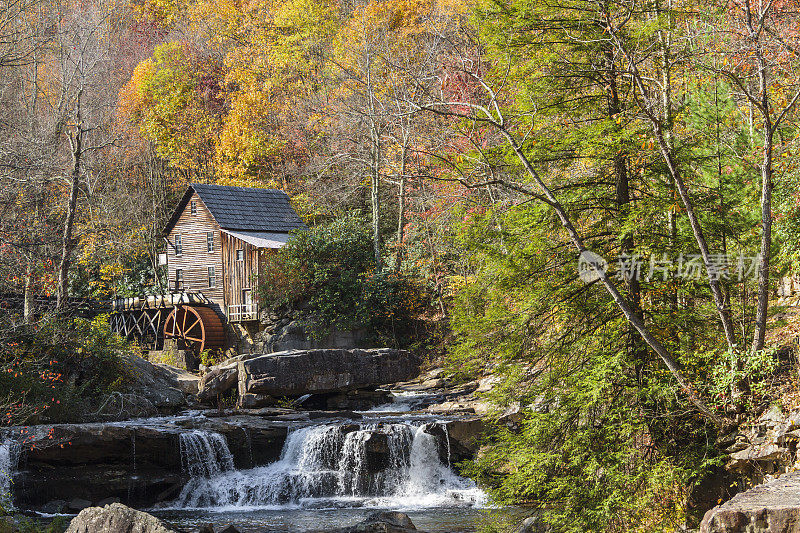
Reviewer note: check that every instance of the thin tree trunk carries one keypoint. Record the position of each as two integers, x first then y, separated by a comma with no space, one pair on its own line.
401,209
627,310
376,199
766,202
27,306
375,171
68,242
766,240
635,349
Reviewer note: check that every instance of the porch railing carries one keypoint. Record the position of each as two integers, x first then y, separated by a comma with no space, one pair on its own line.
240,313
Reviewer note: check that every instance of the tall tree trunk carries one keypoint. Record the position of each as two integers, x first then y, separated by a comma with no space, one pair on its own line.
668,154
68,241
27,305
623,201
375,171
401,209
766,202
766,239
376,198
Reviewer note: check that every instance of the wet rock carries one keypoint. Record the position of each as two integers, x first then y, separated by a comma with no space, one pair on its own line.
358,400
299,372
773,507
381,522
391,517
206,528
107,501
229,529
465,435
377,442
78,504
270,411
376,451
138,464
117,518
54,507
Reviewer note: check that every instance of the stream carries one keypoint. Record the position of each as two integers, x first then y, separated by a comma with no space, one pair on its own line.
329,473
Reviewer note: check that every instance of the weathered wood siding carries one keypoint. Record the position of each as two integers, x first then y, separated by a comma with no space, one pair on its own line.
239,275
195,259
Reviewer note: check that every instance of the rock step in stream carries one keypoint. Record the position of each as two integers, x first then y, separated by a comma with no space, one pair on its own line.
147,462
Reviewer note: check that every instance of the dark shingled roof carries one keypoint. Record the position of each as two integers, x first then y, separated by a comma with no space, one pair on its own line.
243,208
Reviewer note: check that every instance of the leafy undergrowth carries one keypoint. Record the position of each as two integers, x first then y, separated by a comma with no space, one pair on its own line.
59,369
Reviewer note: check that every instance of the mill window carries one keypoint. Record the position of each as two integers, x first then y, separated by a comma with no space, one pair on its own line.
178,279
212,277
178,244
210,241
193,207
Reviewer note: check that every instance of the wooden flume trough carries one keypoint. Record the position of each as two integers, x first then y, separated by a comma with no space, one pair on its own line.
187,318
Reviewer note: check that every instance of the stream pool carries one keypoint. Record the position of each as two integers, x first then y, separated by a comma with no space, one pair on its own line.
433,520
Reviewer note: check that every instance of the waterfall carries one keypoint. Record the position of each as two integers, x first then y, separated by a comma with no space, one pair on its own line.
205,454
9,454
334,465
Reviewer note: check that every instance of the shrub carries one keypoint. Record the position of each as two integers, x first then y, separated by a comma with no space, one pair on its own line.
329,273
58,367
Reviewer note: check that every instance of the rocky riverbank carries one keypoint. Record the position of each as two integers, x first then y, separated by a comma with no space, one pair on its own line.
772,507
119,518
142,462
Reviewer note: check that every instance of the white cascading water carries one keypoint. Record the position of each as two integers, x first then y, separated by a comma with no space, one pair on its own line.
391,465
9,454
205,454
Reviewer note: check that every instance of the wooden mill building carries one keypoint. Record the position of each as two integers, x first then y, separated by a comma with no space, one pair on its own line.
216,239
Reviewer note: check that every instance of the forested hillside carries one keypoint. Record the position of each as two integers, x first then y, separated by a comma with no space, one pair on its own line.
592,201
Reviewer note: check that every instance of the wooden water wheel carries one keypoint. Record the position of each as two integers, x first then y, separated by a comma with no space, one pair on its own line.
195,328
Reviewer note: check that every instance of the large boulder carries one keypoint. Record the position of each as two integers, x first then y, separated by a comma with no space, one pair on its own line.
773,507
294,373
117,518
178,378
218,380
156,384
465,436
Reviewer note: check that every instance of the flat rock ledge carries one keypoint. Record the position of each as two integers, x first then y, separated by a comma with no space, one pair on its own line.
773,507
260,378
293,373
